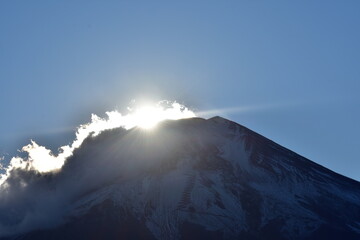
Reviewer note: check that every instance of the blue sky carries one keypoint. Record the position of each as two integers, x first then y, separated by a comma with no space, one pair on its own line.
294,67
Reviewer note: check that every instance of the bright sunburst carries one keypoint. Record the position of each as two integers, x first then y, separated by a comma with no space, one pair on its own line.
148,116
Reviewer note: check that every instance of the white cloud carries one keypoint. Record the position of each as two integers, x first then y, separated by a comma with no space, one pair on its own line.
28,198
42,159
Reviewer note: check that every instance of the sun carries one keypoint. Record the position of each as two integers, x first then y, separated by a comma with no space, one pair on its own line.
148,116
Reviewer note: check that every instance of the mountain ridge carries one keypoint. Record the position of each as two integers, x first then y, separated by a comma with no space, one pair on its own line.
287,149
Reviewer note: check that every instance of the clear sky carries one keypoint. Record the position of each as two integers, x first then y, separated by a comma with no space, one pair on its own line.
290,69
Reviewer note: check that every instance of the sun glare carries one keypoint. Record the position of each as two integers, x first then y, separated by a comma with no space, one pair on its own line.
148,117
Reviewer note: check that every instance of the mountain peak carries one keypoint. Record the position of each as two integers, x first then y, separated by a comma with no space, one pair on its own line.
190,179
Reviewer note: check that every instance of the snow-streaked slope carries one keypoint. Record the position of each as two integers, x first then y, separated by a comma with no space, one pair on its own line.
200,179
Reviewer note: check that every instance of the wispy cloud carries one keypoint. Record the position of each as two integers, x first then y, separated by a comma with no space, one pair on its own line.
41,159
246,109
34,188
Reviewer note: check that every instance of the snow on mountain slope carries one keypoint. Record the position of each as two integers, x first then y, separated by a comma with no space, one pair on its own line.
195,179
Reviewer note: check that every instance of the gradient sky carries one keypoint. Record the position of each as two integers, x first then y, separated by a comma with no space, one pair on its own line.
289,70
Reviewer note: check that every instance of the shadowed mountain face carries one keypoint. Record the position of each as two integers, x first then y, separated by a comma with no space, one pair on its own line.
193,179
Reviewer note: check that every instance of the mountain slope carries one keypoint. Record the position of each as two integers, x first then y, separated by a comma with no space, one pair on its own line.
198,179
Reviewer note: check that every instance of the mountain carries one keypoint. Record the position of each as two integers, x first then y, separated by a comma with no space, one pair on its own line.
195,179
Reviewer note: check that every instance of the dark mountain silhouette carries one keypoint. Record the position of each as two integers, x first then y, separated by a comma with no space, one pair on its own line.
198,179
